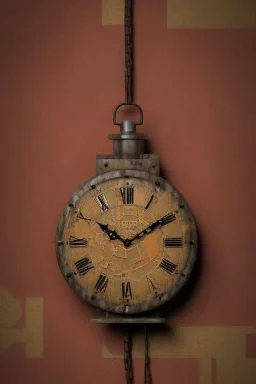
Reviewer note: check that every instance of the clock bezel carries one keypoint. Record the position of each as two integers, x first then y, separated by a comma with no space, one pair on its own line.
66,215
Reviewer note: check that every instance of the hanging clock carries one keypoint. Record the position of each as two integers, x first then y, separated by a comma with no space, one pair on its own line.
126,241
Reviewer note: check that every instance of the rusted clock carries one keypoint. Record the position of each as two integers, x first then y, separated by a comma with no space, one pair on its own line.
126,241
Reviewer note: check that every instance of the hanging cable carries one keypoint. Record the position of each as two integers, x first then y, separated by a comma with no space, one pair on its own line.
128,31
147,372
128,357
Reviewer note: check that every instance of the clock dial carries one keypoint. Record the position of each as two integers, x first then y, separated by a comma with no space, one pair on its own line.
125,245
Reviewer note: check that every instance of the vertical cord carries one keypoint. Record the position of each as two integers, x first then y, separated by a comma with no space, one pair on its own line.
147,372
128,31
128,357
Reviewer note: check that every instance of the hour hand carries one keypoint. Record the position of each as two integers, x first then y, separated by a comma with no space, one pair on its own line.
113,235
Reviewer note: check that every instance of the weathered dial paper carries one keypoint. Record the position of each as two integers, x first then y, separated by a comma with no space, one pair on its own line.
127,244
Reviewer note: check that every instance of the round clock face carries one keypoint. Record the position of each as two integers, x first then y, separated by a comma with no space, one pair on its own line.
126,242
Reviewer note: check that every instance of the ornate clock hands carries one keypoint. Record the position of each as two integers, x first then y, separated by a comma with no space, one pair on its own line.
113,235
163,221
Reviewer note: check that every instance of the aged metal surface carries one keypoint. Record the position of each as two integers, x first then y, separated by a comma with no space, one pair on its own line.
128,144
140,122
113,318
185,218
129,320
150,164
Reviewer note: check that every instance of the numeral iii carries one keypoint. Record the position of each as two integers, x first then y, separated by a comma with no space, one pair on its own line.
173,242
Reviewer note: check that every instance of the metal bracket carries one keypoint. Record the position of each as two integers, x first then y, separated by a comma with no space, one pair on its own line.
148,163
111,318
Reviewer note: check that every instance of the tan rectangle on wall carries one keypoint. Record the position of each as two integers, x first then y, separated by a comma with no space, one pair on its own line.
112,12
211,13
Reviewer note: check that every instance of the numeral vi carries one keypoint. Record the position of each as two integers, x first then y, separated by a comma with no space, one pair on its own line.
126,290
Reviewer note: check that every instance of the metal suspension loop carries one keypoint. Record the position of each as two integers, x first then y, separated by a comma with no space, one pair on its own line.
147,372
128,358
128,29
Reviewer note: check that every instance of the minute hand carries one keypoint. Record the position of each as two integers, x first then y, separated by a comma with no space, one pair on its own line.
163,221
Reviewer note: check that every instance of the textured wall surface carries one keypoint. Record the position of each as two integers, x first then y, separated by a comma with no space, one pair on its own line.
62,73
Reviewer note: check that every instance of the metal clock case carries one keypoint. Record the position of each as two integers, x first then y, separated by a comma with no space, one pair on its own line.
127,240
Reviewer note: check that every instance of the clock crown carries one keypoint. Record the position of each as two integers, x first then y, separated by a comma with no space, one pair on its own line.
128,144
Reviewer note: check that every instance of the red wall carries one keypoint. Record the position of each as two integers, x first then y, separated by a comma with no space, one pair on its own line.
62,75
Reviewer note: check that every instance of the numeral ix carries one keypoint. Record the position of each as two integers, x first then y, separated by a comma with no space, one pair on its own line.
74,242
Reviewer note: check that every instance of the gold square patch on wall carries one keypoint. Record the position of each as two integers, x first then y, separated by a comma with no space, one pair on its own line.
211,13
112,12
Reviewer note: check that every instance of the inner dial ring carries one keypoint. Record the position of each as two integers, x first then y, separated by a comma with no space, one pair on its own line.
112,208
118,260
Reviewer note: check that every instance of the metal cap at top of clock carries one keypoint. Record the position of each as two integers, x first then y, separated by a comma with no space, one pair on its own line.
128,144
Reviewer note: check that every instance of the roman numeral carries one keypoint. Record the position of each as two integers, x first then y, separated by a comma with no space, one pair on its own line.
84,265
74,242
152,285
168,266
169,218
150,201
102,202
80,216
101,284
127,195
126,290
173,242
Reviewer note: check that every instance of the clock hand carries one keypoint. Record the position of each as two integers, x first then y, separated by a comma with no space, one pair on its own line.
149,229
113,235
163,221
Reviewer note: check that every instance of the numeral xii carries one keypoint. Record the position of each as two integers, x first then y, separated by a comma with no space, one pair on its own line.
127,194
